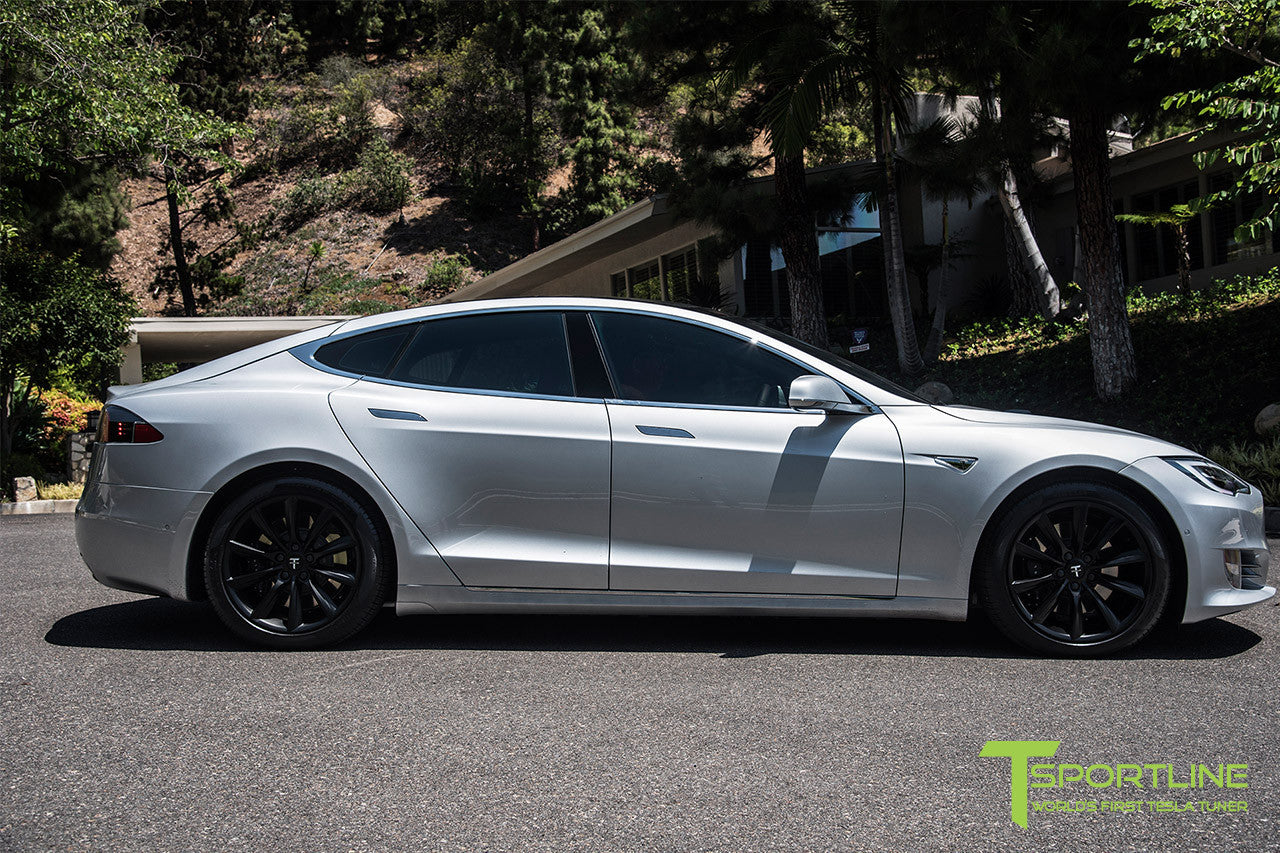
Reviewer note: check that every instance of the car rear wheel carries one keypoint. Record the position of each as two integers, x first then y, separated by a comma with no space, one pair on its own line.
1076,569
295,563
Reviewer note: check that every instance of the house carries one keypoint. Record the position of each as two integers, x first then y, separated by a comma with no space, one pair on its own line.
646,251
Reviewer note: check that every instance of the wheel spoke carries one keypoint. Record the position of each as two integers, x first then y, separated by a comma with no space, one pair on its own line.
1027,584
1050,536
291,518
343,578
1031,552
264,528
294,620
268,601
242,581
316,527
1079,520
1077,615
326,603
1046,606
337,546
1125,558
1130,589
248,549
1113,624
1110,529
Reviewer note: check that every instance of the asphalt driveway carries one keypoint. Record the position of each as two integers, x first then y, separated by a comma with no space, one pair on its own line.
136,723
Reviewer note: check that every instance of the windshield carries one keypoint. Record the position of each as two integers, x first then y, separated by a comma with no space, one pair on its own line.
834,360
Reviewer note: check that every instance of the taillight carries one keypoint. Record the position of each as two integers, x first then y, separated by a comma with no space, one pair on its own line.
121,426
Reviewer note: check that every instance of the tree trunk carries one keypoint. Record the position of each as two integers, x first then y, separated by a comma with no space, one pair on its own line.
1114,368
798,238
934,345
1026,302
1184,259
175,239
1049,302
895,274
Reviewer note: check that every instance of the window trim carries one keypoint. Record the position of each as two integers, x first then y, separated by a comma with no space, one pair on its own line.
733,333
306,354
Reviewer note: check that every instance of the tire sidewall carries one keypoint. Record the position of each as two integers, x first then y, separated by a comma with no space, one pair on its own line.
997,598
370,585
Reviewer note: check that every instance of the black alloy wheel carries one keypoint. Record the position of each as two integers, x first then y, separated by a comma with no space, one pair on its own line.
1078,569
295,564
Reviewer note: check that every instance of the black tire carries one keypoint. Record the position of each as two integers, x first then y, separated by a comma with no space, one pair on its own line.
296,563
1075,569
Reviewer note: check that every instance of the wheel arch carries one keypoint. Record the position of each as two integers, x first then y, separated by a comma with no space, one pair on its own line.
227,492
1177,555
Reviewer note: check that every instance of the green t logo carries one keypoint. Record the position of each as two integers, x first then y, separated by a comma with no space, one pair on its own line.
1018,752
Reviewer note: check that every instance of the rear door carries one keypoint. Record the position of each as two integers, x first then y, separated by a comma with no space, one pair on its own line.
475,426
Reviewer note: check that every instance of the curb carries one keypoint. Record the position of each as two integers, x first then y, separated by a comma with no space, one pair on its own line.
37,507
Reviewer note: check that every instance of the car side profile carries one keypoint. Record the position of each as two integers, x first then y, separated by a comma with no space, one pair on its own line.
592,455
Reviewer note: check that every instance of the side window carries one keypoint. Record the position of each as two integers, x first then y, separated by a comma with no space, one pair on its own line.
370,353
523,353
668,361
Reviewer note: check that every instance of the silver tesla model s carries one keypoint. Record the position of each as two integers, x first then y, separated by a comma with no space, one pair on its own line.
587,455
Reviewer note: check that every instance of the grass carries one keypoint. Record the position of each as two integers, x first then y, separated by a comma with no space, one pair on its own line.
59,491
1206,365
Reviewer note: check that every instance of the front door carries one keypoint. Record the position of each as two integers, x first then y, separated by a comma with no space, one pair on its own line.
718,486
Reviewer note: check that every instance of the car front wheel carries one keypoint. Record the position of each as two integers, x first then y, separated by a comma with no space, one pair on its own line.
295,563
1076,569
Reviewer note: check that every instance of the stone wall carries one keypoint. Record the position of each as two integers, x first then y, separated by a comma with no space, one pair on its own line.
79,454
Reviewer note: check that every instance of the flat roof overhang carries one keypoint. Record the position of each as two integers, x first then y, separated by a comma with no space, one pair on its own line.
201,339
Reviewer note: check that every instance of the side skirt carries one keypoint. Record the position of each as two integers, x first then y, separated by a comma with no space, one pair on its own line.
414,598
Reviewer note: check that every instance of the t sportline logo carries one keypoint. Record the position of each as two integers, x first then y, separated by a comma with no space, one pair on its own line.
1146,777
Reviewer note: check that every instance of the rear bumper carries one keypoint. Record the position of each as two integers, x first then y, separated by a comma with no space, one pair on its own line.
136,538
1210,523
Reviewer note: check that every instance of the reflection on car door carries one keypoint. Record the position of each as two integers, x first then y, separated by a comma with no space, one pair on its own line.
720,488
506,473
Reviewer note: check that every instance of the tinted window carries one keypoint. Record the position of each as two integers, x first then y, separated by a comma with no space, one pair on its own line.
668,361
589,376
520,353
370,354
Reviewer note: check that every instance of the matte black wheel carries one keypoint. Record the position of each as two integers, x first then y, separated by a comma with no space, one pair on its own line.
1076,569
295,563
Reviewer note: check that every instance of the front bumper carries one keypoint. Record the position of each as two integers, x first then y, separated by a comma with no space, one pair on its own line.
135,538
1209,524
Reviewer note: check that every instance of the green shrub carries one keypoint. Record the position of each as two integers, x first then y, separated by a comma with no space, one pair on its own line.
1257,461
446,274
310,197
380,181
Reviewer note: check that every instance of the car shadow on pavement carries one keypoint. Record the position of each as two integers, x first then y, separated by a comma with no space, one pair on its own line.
163,624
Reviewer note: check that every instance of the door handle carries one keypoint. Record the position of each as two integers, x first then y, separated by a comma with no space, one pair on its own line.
396,415
668,432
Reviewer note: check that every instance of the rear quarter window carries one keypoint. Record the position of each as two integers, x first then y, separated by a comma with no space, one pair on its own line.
370,354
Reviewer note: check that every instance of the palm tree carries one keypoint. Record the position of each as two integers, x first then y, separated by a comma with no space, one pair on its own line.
1177,219
853,56
944,161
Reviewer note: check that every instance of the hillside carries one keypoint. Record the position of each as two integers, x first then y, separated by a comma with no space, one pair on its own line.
369,261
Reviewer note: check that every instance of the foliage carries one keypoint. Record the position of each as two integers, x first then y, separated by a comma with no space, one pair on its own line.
446,274
380,181
57,317
1247,105
59,491
1208,359
1258,462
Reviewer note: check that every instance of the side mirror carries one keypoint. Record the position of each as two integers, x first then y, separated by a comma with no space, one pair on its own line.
821,393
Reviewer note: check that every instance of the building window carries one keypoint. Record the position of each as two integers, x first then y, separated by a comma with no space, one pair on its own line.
646,281
681,272
1223,220
670,278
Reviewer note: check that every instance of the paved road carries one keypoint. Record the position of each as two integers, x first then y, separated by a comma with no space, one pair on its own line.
133,723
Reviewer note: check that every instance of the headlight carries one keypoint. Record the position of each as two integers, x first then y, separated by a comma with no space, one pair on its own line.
1210,476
